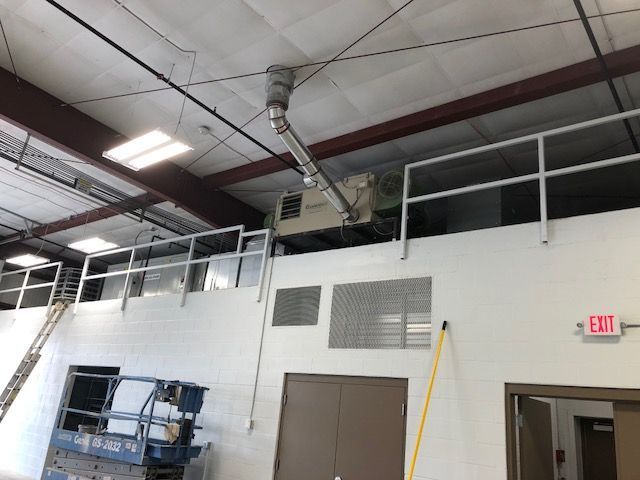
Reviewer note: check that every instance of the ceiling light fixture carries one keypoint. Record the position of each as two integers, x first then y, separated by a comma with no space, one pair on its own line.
27,260
146,150
92,245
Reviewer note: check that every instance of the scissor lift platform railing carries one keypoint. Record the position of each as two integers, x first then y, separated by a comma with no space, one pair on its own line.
141,448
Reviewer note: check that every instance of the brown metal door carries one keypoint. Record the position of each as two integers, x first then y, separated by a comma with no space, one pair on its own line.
370,433
598,449
536,441
347,427
308,427
626,421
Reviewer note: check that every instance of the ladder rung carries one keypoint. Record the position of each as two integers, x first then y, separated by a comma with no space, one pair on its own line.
28,363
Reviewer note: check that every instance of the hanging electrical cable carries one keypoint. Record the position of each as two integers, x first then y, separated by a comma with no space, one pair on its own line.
403,49
605,70
173,85
324,64
359,56
354,43
13,65
56,173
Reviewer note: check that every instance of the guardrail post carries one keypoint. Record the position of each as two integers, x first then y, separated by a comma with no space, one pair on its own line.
85,269
405,213
56,279
240,239
542,171
24,284
125,293
187,271
263,262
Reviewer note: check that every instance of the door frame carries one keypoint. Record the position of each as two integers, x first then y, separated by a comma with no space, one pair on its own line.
340,379
513,390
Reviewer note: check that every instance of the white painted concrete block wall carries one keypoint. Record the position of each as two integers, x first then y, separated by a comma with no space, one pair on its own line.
512,304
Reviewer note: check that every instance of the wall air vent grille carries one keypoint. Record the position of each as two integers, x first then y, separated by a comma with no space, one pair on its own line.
388,314
296,306
291,206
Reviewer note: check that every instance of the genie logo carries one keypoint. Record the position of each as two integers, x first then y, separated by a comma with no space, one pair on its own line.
80,440
315,206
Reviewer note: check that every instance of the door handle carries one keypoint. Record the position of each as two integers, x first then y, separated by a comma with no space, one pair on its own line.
338,478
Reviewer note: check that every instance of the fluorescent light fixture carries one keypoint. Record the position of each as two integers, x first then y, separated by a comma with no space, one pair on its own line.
146,150
92,245
157,155
27,260
137,146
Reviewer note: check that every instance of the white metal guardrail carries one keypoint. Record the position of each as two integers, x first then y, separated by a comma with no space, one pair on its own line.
24,287
239,229
541,175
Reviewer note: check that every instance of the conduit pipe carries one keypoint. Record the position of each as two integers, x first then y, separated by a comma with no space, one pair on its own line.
279,88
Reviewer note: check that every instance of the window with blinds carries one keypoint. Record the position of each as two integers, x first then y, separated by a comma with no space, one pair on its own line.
388,314
296,306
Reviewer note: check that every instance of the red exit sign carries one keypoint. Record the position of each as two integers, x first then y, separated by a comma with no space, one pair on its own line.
602,324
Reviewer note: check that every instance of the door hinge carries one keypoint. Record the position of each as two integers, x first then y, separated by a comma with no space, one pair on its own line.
284,399
519,420
277,464
404,409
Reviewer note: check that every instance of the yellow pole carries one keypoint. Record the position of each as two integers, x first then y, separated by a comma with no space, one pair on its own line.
425,408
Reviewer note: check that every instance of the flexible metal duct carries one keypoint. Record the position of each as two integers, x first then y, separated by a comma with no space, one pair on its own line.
279,88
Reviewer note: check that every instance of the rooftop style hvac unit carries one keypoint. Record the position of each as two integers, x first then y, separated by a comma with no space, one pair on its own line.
310,210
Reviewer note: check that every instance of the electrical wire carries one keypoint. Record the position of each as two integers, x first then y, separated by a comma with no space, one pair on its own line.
359,56
44,156
222,142
58,171
56,190
170,83
93,208
13,65
355,42
315,72
39,196
403,49
379,232
186,92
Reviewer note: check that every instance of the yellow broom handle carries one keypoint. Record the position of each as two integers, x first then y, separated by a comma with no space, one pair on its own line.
427,399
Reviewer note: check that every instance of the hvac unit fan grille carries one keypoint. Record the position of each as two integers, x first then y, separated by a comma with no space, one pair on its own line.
291,206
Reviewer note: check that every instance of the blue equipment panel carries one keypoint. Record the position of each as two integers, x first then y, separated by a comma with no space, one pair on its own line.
122,449
58,475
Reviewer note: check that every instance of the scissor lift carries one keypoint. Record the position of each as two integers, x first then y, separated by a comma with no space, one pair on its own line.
100,452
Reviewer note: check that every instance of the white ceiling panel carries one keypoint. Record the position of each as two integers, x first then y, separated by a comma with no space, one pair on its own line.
283,13
330,30
235,37
33,12
170,16
479,60
324,114
216,30
399,88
